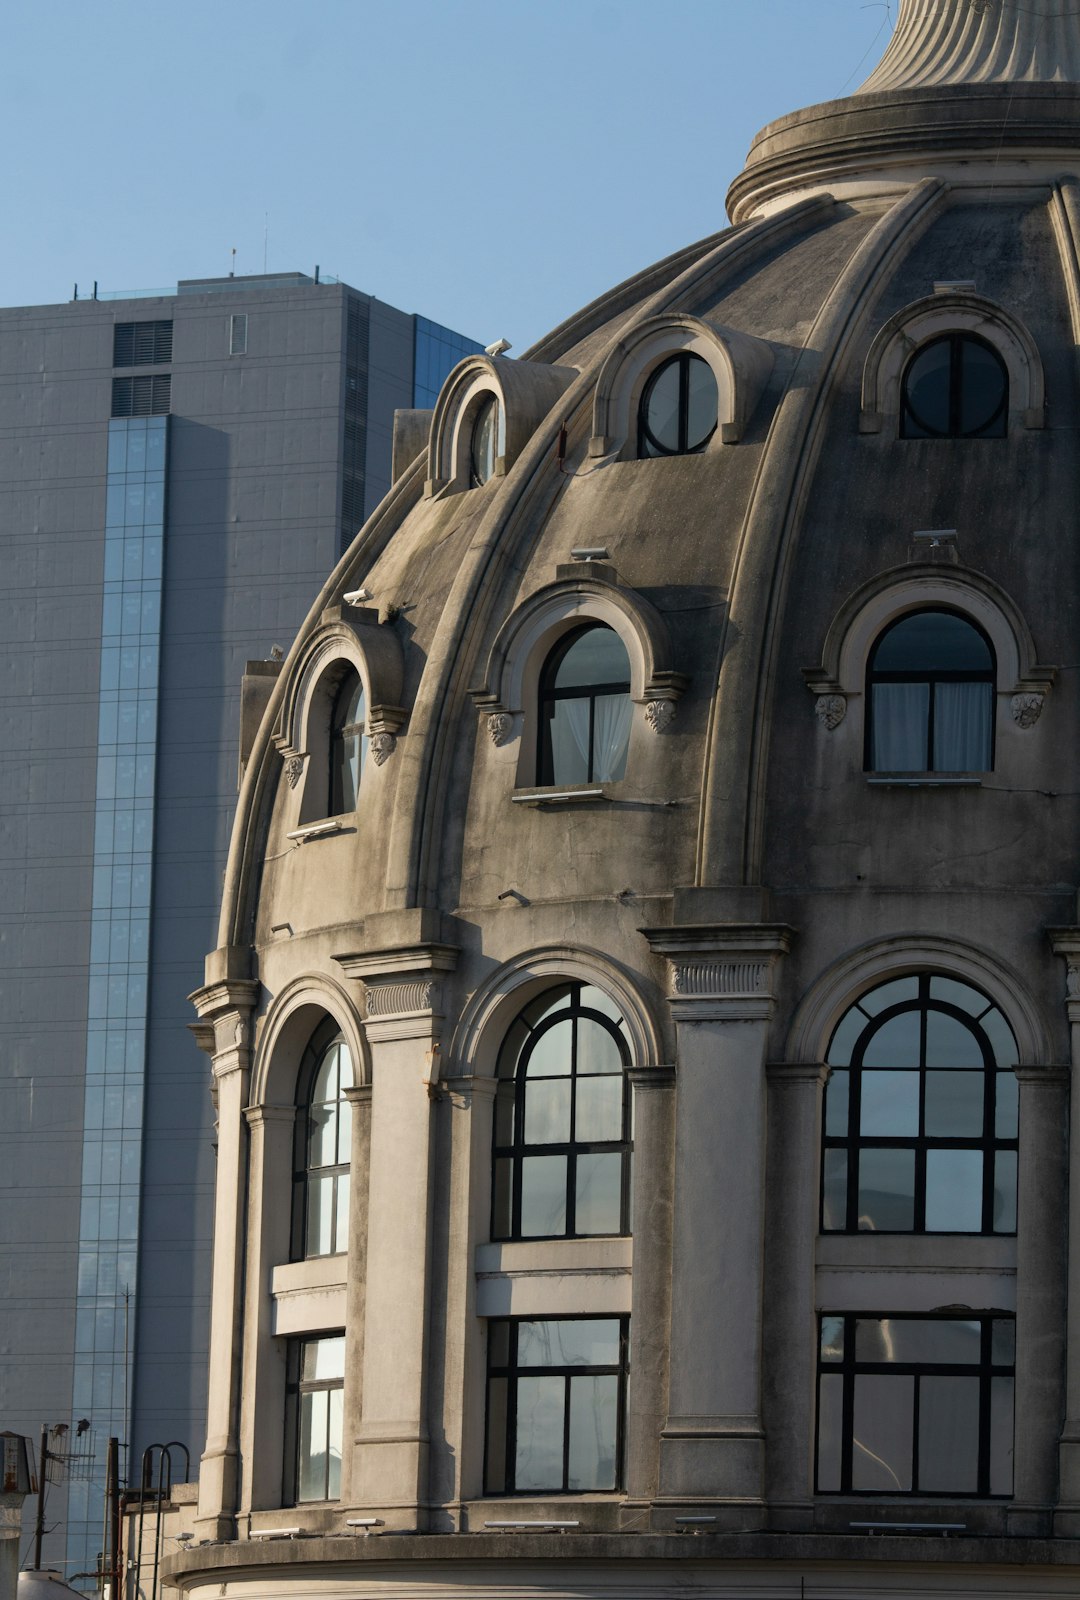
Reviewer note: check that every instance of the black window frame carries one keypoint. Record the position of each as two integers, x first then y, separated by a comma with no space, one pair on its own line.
649,447
849,1368
996,427
295,1388
853,1142
489,406
931,677
512,1371
325,1037
548,697
340,732
518,1149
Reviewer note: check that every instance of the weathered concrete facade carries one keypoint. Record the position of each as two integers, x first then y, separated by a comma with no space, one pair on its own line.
748,874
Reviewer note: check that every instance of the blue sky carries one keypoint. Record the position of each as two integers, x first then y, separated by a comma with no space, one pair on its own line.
490,163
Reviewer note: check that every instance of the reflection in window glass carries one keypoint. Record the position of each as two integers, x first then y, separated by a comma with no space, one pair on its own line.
484,446
561,1149
679,408
955,387
322,1148
315,1395
585,709
556,1397
930,689
915,1405
920,1115
348,744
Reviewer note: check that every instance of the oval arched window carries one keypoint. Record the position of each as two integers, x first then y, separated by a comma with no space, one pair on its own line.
679,408
955,387
323,1135
931,696
585,708
348,746
921,1113
484,446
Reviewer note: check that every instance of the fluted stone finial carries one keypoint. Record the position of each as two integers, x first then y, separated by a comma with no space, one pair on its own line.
980,41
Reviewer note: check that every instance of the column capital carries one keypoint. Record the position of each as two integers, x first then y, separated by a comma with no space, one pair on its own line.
1053,1073
358,1094
402,988
258,1116
1066,942
645,1078
794,1074
722,971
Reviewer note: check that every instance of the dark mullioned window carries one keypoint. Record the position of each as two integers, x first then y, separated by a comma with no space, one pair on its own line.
931,696
679,408
322,1148
484,443
562,1120
915,1405
955,387
585,709
556,1399
142,344
314,1412
921,1113
348,745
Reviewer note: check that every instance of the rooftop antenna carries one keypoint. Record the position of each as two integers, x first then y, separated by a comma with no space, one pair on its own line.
232,262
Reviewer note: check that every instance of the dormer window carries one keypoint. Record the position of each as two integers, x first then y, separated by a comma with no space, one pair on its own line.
348,745
484,447
585,709
679,408
931,694
955,387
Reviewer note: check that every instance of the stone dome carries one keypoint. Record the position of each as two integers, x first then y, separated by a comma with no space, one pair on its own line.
685,744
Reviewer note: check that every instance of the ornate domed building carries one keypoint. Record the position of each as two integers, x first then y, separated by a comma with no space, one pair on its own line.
648,976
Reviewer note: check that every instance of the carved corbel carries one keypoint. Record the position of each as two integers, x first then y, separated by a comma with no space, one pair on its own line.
662,694
1027,708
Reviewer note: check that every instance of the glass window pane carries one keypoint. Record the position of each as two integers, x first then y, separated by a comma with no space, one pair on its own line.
550,1001
949,1435
568,732
843,1040
334,1435
836,1104
598,1199
962,726
896,1043
910,1340
592,999
927,388
501,1219
516,1036
569,1342
1000,1035
955,1104
932,641
890,994
900,714
612,721
598,1110
1003,1341
890,1102
662,407
834,1209
499,1343
341,1222
322,1136
983,389
323,1358
886,1202
552,1051
832,1338
703,403
314,1409
320,1214
949,1043
1005,1191
954,1199
958,994
594,1405
830,1430
596,656
495,1478
543,1197
1001,1436
597,1049
547,1111
538,1456
504,1112
883,1431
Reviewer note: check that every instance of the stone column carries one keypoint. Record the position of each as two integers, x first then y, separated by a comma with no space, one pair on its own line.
722,1000
225,1006
1066,942
359,1097
792,1211
262,1398
404,1020
1041,1250
650,1305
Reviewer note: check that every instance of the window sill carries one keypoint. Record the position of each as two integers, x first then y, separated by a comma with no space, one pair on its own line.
923,780
309,1296
321,830
583,795
554,1277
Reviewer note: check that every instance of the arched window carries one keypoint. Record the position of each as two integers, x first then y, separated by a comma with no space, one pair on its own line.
955,387
679,408
484,442
930,691
321,1161
562,1120
585,708
348,746
921,1113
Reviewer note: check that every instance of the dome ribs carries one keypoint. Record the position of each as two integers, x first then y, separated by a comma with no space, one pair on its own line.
732,819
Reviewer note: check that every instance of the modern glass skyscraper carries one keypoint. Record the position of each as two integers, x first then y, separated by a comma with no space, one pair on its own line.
177,472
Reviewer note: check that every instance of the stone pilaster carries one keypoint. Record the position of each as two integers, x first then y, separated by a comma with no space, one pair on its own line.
226,1003
1066,942
653,1089
262,1400
359,1097
722,997
792,1209
403,990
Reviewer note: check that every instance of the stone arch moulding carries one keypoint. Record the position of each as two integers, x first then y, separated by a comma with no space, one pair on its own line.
473,1050
741,365
526,392
513,666
954,311
840,677
354,636
829,996
290,1021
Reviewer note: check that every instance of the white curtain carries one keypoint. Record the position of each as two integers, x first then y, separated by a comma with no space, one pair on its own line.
962,720
570,741
611,736
900,722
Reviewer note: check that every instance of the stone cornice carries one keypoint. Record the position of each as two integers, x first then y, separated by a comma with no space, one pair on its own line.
403,991
722,970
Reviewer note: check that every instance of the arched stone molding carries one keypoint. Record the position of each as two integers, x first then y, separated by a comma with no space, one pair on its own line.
349,636
286,1031
741,365
474,1047
525,391
830,995
840,678
952,311
506,698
